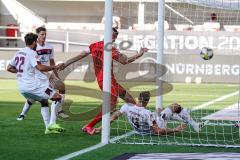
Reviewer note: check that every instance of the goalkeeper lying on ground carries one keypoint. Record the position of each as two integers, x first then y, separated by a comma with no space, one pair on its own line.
145,122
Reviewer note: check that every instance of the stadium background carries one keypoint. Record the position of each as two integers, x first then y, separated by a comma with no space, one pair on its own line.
66,37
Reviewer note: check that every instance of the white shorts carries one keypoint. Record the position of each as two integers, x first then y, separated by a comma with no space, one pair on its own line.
43,83
39,94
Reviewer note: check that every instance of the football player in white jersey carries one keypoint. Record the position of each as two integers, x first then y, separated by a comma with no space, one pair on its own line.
140,118
178,113
46,56
143,121
26,65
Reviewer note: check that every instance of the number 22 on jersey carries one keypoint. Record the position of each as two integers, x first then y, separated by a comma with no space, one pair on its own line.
19,63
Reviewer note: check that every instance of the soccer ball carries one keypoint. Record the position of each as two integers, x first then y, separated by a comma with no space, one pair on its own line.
206,53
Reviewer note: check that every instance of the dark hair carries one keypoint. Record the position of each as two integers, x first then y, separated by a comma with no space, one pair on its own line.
144,97
115,31
30,38
39,29
213,16
177,107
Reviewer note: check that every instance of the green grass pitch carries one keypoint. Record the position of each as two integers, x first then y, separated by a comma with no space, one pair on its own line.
26,139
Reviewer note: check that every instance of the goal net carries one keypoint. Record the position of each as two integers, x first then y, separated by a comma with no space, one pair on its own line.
207,89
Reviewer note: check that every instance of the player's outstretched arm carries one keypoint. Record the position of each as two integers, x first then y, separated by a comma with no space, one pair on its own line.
126,60
44,68
165,131
11,69
113,117
75,59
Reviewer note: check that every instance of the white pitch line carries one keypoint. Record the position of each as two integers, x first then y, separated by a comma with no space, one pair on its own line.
80,152
122,136
215,100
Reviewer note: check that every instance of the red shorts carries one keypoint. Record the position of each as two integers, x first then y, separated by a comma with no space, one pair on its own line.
116,91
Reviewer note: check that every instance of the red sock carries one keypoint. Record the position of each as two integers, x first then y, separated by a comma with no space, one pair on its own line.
96,119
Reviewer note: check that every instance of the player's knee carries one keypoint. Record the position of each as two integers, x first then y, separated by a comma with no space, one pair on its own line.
57,97
30,102
59,85
44,103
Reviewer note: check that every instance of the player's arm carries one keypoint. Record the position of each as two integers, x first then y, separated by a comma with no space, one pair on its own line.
44,68
123,59
113,117
165,131
52,62
11,68
82,55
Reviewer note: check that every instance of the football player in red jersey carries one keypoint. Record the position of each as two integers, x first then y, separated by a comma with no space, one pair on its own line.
96,50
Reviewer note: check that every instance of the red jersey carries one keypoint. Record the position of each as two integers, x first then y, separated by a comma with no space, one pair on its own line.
97,50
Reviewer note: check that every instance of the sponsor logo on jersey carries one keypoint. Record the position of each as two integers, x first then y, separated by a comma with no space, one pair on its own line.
44,51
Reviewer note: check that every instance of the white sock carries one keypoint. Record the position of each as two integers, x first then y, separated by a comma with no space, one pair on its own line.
193,123
63,98
62,101
185,115
59,109
26,108
45,115
54,108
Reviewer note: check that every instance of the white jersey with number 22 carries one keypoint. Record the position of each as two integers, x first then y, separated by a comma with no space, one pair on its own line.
25,61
